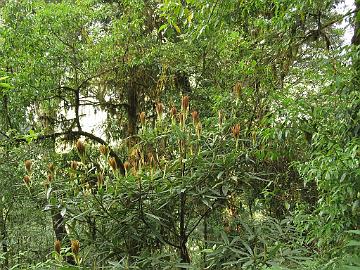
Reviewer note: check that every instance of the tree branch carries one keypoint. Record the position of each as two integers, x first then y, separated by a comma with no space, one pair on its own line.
201,218
73,133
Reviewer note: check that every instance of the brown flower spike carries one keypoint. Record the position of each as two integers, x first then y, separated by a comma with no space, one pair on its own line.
195,117
28,164
236,131
173,112
27,179
112,163
159,109
57,246
80,146
126,166
142,118
103,150
185,103
74,164
75,247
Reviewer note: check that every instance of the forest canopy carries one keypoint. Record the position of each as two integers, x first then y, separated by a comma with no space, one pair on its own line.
179,134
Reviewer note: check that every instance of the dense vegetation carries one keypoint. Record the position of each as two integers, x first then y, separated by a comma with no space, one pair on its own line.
227,134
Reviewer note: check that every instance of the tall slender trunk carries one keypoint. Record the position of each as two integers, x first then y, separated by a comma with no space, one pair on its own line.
91,221
60,232
184,254
183,237
132,112
58,225
356,37
205,239
132,98
57,218
3,214
355,119
4,239
77,109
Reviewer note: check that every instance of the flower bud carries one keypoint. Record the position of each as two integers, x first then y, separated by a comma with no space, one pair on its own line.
80,147
112,163
185,103
236,131
57,246
75,247
173,112
27,180
74,165
195,117
104,150
142,118
159,109
126,166
28,165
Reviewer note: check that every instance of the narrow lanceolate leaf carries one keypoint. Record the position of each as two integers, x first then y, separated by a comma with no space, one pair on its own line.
5,85
177,28
353,243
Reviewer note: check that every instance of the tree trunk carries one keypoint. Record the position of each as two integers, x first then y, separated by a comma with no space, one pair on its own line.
205,239
132,109
355,119
58,225
4,240
184,254
56,217
356,37
92,227
60,232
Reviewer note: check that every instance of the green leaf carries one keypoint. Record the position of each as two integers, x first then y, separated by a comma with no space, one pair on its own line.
287,205
152,216
183,265
48,193
5,85
349,267
353,243
63,211
163,27
225,189
177,28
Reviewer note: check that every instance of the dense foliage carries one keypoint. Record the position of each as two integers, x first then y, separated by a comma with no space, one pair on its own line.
179,134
